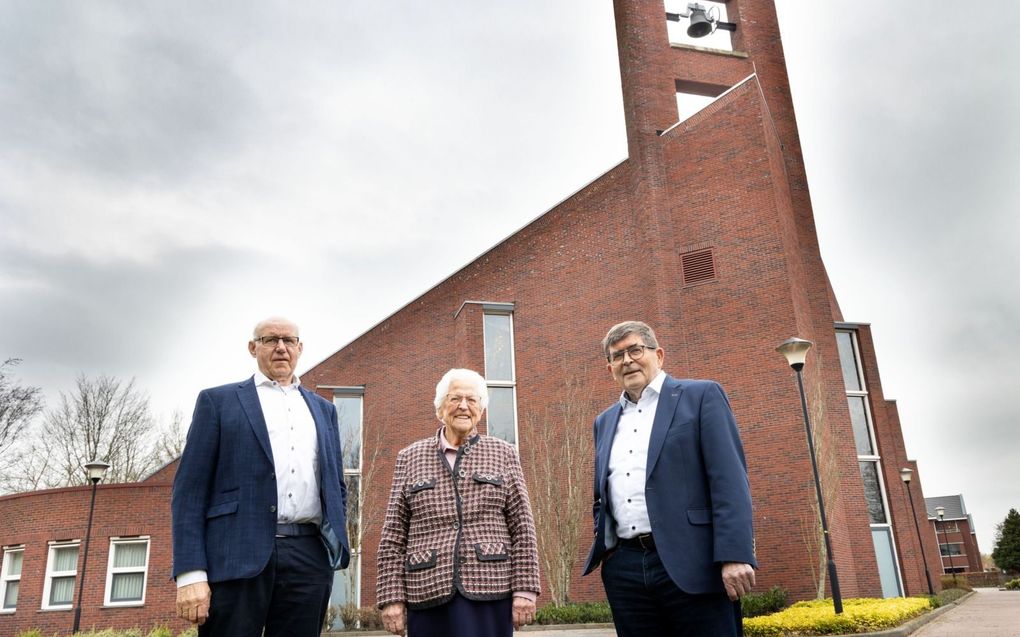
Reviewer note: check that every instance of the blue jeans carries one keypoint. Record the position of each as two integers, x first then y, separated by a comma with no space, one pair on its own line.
646,602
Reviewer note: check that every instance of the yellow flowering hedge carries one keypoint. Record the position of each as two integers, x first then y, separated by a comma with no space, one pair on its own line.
817,617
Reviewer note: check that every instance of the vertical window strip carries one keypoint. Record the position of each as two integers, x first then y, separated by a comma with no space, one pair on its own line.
501,415
61,572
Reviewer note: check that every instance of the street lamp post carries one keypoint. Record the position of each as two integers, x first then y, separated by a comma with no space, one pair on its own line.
95,471
795,350
905,475
941,513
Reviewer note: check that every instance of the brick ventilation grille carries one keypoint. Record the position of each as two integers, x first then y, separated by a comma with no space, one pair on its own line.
698,266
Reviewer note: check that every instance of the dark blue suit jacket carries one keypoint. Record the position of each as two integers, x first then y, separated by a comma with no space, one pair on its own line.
696,488
224,495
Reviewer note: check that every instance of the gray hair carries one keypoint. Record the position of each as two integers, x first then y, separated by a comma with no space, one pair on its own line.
473,377
273,319
621,331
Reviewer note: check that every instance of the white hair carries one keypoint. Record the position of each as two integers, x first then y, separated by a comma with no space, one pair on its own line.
470,376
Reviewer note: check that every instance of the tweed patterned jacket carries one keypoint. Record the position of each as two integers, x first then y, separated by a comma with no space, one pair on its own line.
468,529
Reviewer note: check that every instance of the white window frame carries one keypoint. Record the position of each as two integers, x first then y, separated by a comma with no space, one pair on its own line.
112,570
51,574
355,391
874,456
506,310
6,578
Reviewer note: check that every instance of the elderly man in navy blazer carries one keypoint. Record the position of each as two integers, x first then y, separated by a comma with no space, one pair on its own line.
259,500
672,504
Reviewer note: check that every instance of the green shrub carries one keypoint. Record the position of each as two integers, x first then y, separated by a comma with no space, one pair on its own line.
771,601
190,632
950,595
1012,585
31,632
586,613
948,581
160,631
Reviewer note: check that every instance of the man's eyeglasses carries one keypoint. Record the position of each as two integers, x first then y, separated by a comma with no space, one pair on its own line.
271,341
453,400
634,351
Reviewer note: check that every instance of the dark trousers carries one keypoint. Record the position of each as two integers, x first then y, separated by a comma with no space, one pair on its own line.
288,598
646,602
462,617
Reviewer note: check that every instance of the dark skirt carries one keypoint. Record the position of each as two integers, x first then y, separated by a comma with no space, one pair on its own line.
463,617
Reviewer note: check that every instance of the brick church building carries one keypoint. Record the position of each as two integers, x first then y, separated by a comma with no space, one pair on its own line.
706,232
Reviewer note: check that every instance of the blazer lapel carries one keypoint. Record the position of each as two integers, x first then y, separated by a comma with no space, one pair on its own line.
664,411
321,425
250,403
606,444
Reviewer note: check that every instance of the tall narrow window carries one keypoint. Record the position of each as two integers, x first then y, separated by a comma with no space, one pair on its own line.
349,402
61,572
501,416
10,578
870,462
126,571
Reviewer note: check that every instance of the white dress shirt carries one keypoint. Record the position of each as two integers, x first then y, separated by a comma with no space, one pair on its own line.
628,460
295,450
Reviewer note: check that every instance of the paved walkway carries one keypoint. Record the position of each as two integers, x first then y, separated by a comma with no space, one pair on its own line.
988,613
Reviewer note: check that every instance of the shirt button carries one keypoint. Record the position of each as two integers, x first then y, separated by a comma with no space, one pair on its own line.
292,471
628,475
628,499
456,525
633,528
462,473
272,509
290,495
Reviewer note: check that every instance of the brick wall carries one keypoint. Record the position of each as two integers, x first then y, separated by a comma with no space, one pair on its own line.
35,519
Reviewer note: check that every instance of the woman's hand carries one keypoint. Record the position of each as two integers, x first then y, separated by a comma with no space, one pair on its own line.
393,618
523,611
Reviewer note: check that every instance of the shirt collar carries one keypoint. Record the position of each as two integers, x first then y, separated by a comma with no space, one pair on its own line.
651,390
261,380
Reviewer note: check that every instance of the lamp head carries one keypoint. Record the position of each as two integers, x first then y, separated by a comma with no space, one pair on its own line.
795,350
905,474
940,512
96,471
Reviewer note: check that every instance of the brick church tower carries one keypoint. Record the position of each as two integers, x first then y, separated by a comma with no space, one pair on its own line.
706,232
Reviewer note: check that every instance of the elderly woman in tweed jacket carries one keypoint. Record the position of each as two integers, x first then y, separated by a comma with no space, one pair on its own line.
458,555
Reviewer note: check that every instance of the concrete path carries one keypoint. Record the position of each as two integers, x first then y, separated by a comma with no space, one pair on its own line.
988,613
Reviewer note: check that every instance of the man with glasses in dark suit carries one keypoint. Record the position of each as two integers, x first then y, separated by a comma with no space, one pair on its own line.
672,505
259,500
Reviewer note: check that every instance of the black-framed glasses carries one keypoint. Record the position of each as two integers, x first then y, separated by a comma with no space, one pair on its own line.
634,351
272,341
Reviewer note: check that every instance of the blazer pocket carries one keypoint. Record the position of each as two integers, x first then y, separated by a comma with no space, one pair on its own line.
488,478
421,560
699,516
491,552
223,508
421,485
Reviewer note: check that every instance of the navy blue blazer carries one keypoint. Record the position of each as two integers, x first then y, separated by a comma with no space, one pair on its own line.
224,494
696,488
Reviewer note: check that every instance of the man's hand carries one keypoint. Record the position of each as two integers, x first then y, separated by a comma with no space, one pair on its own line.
393,618
193,602
524,611
738,578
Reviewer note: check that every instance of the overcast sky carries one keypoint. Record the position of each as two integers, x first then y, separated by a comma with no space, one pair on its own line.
171,172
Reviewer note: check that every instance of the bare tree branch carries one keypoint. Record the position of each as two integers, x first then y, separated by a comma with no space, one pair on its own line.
18,405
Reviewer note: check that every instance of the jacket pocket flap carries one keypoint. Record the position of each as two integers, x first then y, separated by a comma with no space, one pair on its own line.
420,560
488,478
421,485
223,508
491,552
699,516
